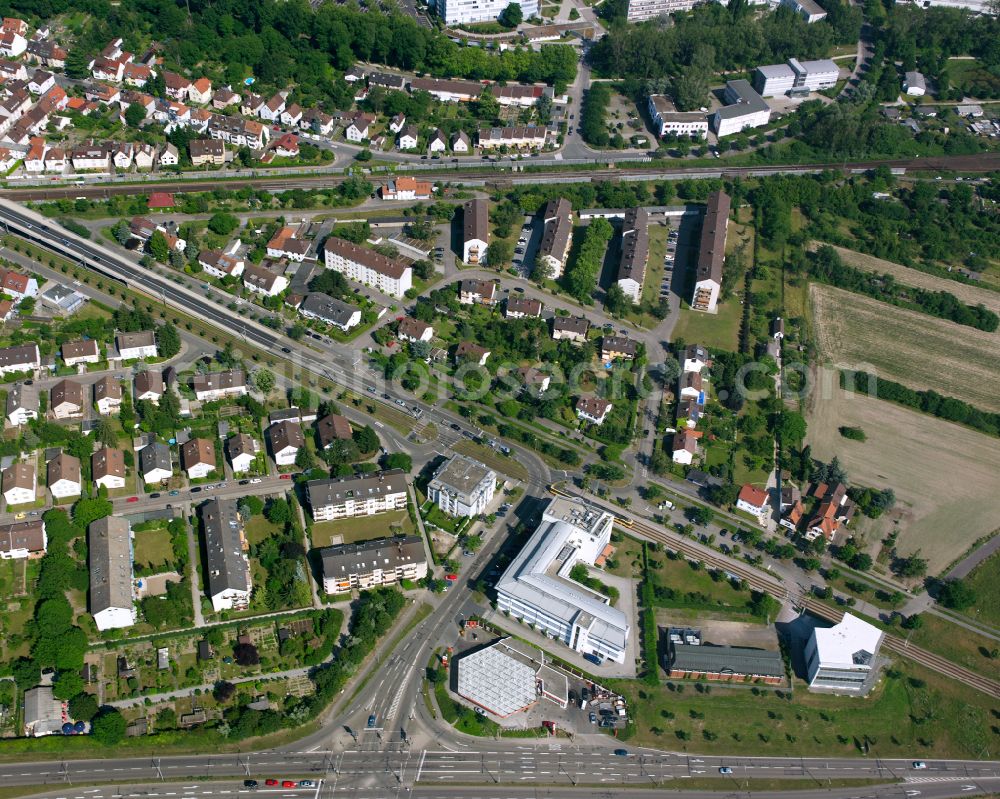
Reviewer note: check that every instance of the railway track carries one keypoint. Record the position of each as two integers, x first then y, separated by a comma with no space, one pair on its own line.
981,163
773,586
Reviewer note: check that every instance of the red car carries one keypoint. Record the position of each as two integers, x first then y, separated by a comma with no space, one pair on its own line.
132,499
451,577
289,784
270,782
286,477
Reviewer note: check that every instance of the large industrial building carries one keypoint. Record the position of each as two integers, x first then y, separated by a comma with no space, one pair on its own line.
840,658
536,587
711,253
504,678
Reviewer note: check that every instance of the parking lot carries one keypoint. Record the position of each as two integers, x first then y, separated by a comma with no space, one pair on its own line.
669,260
526,247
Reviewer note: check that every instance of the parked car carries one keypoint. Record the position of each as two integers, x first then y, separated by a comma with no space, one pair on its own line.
307,784
130,499
250,785
288,784
621,752
270,782
725,770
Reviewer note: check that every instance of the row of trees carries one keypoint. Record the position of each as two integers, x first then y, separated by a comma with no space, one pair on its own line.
580,279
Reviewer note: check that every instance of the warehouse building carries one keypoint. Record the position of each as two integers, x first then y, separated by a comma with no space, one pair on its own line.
724,663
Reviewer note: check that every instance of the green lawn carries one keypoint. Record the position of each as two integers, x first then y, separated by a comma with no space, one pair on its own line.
894,718
959,645
493,459
152,547
434,515
364,528
720,330
697,588
984,579
259,528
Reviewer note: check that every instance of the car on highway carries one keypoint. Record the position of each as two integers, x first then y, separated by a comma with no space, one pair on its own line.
307,784
289,784
454,426
132,499
621,752
155,496
270,782
244,482
196,489
725,770
919,764
372,719
250,785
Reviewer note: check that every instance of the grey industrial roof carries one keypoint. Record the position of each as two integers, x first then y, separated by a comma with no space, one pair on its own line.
460,474
226,565
110,552
776,71
364,556
358,487
747,102
497,680
726,660
818,66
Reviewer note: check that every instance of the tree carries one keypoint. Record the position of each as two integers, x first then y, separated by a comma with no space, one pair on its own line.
263,380
77,63
83,707
399,460
764,606
89,510
305,459
135,115
223,691
499,252
278,511
957,595
366,439
158,246
246,654
914,622
512,16
108,727
913,566
168,341
67,684
251,505
104,432
297,331
700,515
615,301
223,223
791,428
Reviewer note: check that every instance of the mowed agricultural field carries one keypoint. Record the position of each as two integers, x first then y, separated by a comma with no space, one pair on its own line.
966,292
912,348
944,475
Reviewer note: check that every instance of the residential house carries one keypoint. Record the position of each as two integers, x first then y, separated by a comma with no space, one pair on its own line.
694,358
292,115
80,351
137,75
264,280
155,464
200,92
469,352
691,386
618,348
593,409
198,458
12,44
221,264
271,110
145,156
326,309
22,404
107,467
287,146
169,155
477,292
219,385
475,232
332,428
109,551
438,142
177,86
227,567
522,307
571,328
149,386
392,276
19,483
108,395
41,82
89,156
285,243
515,138
557,237
20,358
359,495
835,510
462,486
460,143
408,138
207,151
66,399
406,188
242,451
533,380
914,84
753,500
140,344
685,447
23,540
358,127
286,440
64,476
224,97
411,329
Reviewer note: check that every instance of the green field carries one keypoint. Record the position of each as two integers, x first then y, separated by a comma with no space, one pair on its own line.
720,331
259,528
363,528
152,547
984,579
894,718
706,593
493,459
958,644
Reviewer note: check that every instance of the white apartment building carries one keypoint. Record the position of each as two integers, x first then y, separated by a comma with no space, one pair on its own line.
112,601
711,253
392,276
360,495
132,346
536,587
368,564
462,486
840,658
461,12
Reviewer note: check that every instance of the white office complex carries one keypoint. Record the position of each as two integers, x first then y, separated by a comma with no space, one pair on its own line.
774,80
668,119
536,587
744,109
462,486
462,12
841,657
